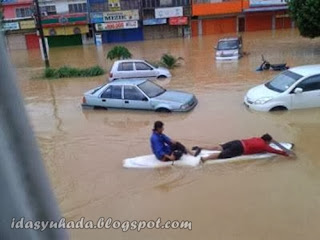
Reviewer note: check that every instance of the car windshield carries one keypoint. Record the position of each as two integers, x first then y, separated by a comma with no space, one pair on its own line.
151,89
97,89
283,81
228,44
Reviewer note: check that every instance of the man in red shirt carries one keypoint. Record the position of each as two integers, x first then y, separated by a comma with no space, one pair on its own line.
243,147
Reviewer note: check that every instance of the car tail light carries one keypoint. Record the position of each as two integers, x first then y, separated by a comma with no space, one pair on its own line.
84,100
111,75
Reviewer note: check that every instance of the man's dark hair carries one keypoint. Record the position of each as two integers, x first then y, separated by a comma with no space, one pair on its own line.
157,125
266,137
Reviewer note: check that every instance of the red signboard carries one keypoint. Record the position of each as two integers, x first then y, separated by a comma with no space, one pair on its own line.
116,25
178,21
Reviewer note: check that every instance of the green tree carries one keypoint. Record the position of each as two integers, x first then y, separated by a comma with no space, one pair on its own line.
306,14
119,52
170,61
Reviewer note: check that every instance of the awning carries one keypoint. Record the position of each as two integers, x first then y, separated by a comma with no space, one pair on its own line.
265,9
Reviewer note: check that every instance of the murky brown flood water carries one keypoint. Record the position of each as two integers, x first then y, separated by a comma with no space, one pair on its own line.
83,149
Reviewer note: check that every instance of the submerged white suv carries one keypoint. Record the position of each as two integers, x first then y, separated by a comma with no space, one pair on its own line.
134,68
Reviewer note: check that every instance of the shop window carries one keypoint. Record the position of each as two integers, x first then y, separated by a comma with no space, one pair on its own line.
48,10
23,12
77,8
166,3
151,3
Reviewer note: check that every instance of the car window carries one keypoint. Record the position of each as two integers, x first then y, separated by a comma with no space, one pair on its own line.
151,89
283,81
125,66
132,93
142,66
113,92
310,84
151,64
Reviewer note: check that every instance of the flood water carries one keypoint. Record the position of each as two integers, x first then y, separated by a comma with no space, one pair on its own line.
83,149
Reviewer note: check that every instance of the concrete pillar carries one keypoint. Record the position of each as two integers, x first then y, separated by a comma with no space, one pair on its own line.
273,26
200,27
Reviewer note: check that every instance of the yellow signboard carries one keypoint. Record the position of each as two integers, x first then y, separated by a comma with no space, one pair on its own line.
53,31
72,30
114,5
69,30
27,24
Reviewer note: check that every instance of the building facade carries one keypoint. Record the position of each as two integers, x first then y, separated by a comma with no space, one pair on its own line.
65,23
18,24
233,16
267,15
166,18
218,16
78,22
116,20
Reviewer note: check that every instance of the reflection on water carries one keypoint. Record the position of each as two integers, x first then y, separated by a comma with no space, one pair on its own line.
83,149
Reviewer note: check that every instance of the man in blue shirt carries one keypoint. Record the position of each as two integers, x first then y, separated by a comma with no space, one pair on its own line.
164,148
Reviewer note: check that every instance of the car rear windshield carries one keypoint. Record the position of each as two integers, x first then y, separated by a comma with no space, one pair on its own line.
283,81
228,44
151,89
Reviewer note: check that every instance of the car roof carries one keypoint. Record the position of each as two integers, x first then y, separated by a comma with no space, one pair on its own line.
129,60
228,38
306,70
129,81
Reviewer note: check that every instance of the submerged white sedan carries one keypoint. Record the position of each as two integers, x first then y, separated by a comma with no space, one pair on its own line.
298,87
139,94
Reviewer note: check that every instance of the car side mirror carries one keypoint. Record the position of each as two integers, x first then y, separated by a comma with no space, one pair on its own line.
298,90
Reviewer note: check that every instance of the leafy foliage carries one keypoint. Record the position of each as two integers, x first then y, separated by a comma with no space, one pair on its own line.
306,14
67,72
119,52
170,61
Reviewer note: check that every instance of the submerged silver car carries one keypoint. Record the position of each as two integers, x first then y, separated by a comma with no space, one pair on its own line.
139,94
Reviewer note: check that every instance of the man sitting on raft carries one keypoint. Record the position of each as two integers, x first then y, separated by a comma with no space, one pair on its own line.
244,147
166,149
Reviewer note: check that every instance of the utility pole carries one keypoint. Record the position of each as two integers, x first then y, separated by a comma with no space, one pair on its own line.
39,26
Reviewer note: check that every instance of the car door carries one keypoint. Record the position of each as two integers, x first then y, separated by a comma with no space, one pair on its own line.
135,99
125,70
310,97
111,97
144,70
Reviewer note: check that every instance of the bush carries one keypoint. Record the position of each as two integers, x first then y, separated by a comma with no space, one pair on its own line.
67,72
50,73
170,61
119,52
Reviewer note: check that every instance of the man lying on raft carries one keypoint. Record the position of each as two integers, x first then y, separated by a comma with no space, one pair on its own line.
244,147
